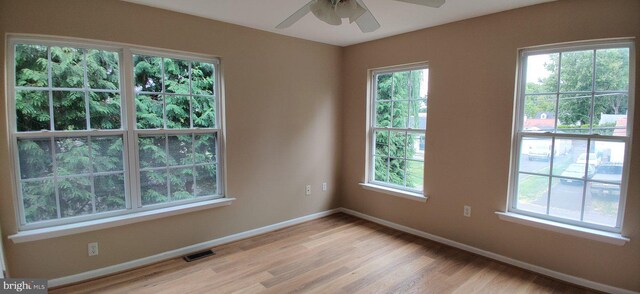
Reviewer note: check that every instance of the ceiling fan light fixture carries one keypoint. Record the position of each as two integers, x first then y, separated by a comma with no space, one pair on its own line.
325,11
349,9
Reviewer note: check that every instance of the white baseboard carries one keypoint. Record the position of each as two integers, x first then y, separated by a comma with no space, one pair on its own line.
110,270
534,268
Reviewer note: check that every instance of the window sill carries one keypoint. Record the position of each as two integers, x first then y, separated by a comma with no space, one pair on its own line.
395,192
591,234
105,223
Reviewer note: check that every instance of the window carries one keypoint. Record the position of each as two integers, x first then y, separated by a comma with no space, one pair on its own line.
176,128
573,134
398,128
93,139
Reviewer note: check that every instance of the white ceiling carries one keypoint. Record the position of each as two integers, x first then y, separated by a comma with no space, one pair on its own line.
395,17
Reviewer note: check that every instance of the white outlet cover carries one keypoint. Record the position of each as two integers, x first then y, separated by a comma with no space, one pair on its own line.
467,211
93,249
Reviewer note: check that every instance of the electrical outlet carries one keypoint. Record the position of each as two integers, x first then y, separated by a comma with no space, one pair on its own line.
324,186
308,190
467,211
93,249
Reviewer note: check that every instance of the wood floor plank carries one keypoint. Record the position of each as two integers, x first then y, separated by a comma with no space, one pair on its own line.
335,254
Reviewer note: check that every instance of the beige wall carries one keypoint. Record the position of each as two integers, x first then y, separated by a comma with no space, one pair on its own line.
472,77
282,108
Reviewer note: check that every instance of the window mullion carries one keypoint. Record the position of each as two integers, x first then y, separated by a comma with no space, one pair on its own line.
50,92
551,157
128,110
593,92
190,98
584,186
164,96
167,171
555,120
55,175
406,142
85,89
91,175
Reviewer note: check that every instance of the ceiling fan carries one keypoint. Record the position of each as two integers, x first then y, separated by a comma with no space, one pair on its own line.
333,11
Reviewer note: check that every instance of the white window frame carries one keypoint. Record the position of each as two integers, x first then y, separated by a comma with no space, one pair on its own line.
128,131
371,183
519,133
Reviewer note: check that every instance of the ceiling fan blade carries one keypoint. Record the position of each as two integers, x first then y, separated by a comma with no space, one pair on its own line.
430,3
367,22
296,16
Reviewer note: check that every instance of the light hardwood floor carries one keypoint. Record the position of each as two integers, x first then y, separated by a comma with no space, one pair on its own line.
335,254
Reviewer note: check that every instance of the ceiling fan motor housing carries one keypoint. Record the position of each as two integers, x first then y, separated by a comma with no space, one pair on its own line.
333,11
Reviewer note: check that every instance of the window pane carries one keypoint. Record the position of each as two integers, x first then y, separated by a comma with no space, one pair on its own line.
383,114
104,109
415,174
107,154
397,171
575,171
149,111
576,72
539,113
381,168
542,73
35,158
574,112
72,156
181,183
612,69
39,198
608,162
382,143
400,114
75,196
102,70
206,180
535,155
67,67
401,85
415,149
610,114
152,151
180,150
177,112
532,193
418,114
153,187
397,144
566,198
32,111
202,78
602,204
31,65
567,152
69,111
148,73
417,78
110,192
384,85
176,73
205,148
204,112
